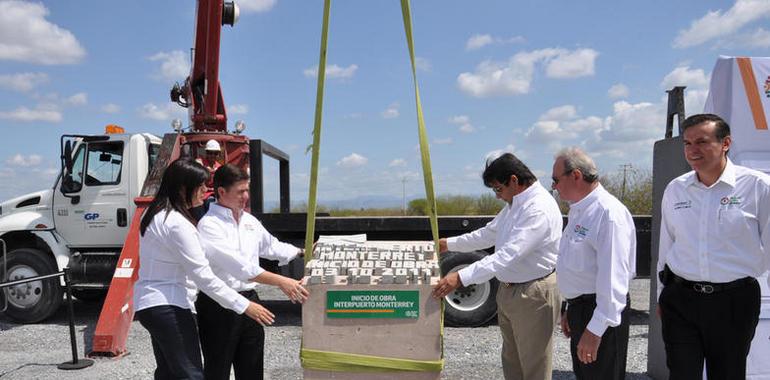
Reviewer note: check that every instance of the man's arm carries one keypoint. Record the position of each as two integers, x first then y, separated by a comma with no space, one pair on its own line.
481,238
218,252
666,240
528,233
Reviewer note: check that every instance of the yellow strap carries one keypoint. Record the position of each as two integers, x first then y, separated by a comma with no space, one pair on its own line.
337,361
343,362
316,147
423,135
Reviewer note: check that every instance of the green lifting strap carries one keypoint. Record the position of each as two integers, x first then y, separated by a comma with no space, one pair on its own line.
344,362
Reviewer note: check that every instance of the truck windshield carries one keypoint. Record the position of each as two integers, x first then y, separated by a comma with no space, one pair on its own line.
105,161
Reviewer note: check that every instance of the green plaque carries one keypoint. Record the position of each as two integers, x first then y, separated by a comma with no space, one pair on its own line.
373,304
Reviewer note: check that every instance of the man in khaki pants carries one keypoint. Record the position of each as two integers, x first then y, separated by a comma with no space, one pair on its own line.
526,236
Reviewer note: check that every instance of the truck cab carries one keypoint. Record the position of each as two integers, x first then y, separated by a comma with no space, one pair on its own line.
80,223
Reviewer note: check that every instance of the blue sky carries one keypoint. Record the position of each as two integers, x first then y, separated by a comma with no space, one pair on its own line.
521,76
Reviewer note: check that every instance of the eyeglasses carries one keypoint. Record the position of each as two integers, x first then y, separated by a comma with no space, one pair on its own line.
499,189
556,179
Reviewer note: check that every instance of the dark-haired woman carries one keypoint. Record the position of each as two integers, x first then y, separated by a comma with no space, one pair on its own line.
172,266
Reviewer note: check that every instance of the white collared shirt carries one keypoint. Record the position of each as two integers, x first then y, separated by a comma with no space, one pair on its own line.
172,264
719,233
234,248
597,255
525,235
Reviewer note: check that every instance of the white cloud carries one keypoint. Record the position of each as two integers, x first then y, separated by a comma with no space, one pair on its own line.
24,161
560,113
716,24
445,141
464,122
110,108
24,114
494,154
354,160
478,41
26,36
174,65
618,91
255,5
23,82
398,162
684,76
238,109
165,112
422,64
758,39
578,63
514,77
391,112
333,71
79,99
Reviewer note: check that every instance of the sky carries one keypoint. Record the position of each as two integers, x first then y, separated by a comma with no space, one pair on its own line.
527,77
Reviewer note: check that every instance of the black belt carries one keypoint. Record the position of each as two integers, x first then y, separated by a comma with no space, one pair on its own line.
251,294
668,277
509,284
583,298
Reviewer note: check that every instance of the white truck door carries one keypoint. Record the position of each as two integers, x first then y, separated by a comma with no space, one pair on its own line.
99,218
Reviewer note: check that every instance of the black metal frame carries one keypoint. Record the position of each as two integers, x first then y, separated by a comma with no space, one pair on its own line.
257,149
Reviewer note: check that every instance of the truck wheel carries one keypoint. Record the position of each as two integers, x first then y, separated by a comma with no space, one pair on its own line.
34,301
472,305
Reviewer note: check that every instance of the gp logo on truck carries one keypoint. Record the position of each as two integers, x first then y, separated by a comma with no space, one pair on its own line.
91,216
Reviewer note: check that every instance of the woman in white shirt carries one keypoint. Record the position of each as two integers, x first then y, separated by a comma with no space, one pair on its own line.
172,265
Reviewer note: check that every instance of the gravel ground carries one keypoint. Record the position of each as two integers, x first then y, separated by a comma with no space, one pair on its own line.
34,351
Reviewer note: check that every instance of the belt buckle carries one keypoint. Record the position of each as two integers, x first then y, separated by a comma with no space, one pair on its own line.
703,288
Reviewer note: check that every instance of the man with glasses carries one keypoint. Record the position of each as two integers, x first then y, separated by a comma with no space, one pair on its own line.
714,239
597,260
525,235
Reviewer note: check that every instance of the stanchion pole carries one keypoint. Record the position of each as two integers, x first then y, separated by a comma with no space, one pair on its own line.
75,363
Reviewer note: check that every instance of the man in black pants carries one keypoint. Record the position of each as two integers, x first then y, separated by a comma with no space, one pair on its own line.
714,239
597,260
233,240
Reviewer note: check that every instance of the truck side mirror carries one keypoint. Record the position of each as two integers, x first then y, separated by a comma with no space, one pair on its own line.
68,185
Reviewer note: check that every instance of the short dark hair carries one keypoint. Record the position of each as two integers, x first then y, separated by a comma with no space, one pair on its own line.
721,131
227,175
176,191
502,168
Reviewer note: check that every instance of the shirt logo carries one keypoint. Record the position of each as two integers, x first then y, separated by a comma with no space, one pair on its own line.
730,201
767,86
250,227
683,204
581,231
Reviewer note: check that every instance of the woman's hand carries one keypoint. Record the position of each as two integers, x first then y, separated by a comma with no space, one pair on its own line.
260,314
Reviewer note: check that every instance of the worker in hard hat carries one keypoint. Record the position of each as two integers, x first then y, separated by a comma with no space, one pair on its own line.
211,162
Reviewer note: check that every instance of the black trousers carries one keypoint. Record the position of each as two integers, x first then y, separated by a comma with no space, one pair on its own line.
611,358
174,342
230,340
717,327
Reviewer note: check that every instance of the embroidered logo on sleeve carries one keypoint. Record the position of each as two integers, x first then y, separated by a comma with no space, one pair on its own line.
683,204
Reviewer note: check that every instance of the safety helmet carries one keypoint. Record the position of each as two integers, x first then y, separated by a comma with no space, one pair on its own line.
213,145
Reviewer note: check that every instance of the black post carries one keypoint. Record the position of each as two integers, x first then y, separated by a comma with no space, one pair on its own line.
75,363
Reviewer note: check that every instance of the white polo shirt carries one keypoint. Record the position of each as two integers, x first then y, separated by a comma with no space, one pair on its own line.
525,235
597,255
719,233
234,248
172,265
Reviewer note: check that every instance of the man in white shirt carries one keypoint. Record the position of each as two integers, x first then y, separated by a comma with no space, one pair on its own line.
525,235
234,240
597,260
714,239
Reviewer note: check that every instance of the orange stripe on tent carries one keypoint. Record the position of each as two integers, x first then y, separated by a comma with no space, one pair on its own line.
752,92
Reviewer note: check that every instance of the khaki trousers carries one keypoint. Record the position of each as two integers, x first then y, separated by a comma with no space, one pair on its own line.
527,314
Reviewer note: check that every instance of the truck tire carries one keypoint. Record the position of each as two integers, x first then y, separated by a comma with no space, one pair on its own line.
34,301
468,306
